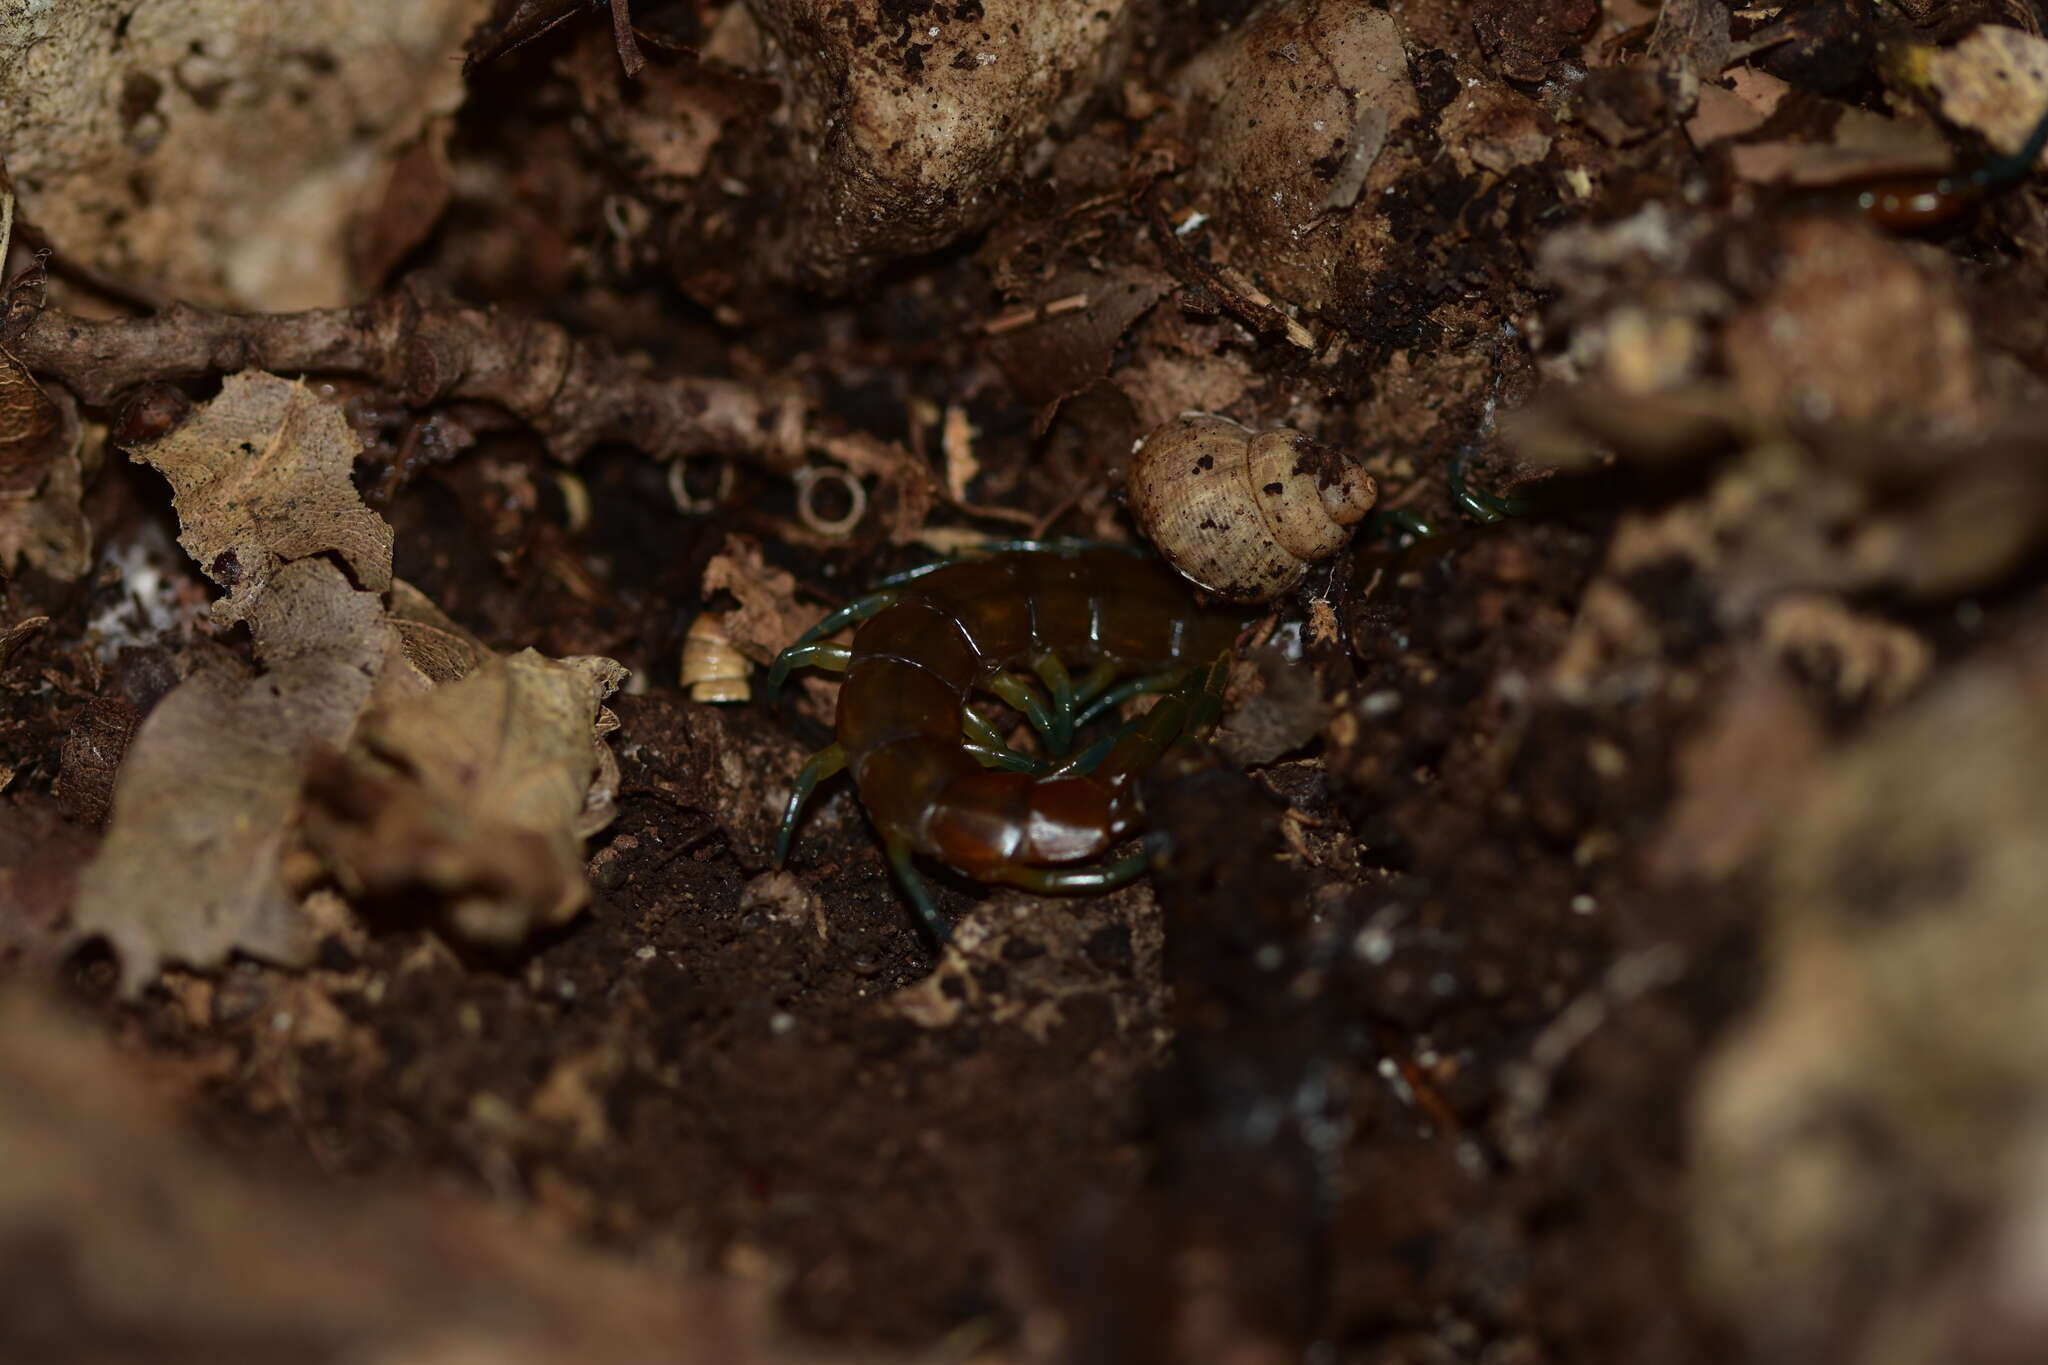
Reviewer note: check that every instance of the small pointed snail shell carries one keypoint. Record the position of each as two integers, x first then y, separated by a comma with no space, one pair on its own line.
1242,513
713,668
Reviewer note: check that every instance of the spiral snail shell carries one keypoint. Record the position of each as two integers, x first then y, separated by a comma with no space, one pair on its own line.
1242,513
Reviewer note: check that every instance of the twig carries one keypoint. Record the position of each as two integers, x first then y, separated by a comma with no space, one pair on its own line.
1230,290
575,393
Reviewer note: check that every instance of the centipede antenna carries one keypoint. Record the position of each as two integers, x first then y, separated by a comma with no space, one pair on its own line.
1025,698
823,764
854,612
1058,880
913,884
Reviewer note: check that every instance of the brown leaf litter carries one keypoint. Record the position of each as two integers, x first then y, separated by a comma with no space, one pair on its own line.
477,777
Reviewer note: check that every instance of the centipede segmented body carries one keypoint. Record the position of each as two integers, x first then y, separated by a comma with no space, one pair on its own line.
1917,203
935,775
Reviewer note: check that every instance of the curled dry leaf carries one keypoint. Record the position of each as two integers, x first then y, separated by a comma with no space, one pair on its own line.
478,793
206,799
261,477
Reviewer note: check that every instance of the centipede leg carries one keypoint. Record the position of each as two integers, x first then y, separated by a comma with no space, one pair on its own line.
1005,758
1136,687
853,613
1060,685
832,658
1025,698
823,764
987,745
1395,522
1100,877
913,884
1091,684
1484,508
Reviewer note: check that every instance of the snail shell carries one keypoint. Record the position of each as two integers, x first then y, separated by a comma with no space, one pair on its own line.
1242,513
713,668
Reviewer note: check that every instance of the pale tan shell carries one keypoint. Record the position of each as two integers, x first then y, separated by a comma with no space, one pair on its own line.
1242,513
713,668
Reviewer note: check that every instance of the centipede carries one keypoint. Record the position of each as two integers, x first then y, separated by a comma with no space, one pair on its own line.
1922,203
1065,634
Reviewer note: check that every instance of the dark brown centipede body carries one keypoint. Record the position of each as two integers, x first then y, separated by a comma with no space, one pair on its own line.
928,643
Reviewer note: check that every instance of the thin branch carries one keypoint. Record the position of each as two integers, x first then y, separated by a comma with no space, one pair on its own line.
575,393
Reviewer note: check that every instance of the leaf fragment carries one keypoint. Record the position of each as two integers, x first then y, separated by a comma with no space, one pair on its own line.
260,477
204,809
477,794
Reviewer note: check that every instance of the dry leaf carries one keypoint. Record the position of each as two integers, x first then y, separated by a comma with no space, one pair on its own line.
478,793
439,649
261,477
205,802
40,479
768,619
1994,82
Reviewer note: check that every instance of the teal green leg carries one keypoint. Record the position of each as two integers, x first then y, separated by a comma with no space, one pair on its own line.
1059,684
1083,763
1090,687
1484,508
1136,687
823,764
1399,521
913,884
1005,758
1025,698
833,658
854,612
986,744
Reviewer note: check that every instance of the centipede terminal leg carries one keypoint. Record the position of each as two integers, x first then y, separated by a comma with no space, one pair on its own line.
824,763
